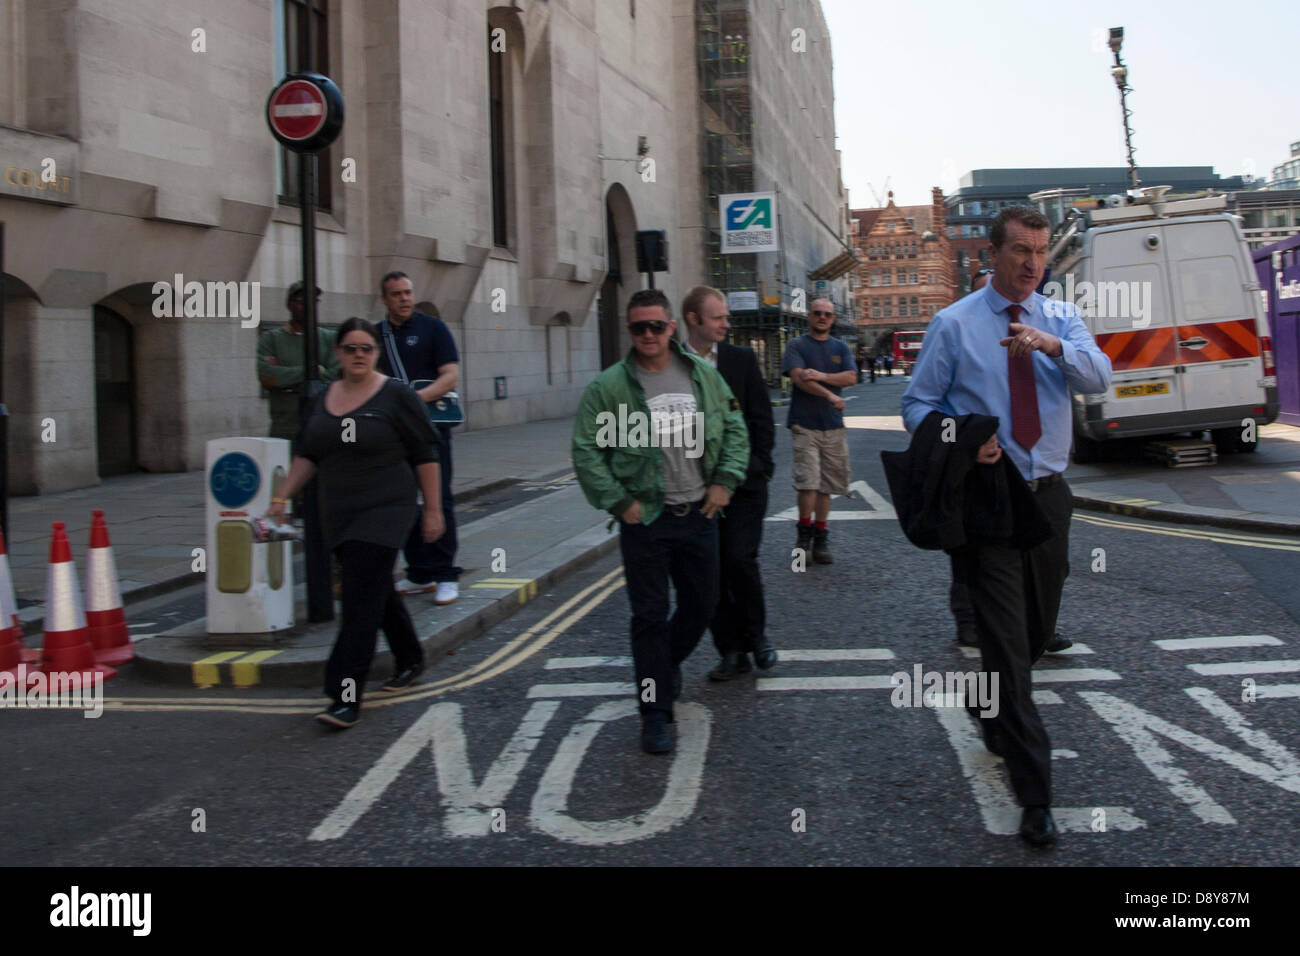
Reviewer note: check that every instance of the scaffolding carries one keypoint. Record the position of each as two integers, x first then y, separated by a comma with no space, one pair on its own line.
727,154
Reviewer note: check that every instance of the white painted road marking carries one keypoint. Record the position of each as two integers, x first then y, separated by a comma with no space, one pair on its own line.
581,690
880,507
864,682
1247,667
1051,676
1139,728
842,654
1204,643
1277,690
562,663
998,809
685,776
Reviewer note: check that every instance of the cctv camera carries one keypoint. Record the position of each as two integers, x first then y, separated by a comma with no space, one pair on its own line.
1153,241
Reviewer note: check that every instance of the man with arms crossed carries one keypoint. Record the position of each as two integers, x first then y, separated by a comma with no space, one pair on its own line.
819,365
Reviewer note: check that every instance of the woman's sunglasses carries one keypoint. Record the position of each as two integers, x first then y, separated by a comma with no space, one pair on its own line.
354,349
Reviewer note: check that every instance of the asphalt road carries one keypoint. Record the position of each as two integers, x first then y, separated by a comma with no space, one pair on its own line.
521,748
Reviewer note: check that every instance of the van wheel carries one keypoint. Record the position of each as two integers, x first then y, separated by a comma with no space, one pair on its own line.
1228,441
1086,451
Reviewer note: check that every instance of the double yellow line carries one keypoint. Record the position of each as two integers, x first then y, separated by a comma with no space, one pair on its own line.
1207,534
512,654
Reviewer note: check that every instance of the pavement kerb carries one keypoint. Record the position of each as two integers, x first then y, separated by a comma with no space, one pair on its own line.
33,621
308,673
1220,518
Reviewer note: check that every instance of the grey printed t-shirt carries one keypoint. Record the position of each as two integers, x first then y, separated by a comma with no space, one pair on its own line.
670,396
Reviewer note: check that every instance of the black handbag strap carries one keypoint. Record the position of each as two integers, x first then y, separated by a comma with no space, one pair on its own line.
394,359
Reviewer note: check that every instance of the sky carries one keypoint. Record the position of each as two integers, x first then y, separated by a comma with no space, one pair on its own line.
927,90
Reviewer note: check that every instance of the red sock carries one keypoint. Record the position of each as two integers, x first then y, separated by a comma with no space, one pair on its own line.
820,525
805,522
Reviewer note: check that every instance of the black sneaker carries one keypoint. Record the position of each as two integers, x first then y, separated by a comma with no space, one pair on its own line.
403,678
804,540
821,553
341,716
655,737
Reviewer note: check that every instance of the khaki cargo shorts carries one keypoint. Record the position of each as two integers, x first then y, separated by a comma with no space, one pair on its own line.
821,460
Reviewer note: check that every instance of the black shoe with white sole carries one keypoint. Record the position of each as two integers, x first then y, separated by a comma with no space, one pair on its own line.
403,678
341,716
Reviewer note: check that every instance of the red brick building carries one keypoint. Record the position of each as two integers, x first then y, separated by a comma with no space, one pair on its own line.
906,271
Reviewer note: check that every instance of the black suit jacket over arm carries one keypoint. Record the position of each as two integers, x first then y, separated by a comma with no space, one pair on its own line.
739,369
945,500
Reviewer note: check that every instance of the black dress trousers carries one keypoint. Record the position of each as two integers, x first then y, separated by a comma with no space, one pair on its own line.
740,619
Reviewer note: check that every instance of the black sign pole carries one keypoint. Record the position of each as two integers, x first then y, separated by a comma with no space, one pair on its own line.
316,559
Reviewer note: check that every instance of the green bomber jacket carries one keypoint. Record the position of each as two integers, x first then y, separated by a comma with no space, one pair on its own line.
613,475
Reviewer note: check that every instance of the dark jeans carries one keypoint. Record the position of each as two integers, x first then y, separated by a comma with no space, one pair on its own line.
685,551
738,623
369,603
428,562
1016,596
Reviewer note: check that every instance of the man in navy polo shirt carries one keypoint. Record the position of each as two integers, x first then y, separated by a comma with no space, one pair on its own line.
819,365
424,349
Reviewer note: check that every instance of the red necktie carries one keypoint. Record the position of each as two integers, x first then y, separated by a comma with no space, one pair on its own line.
1025,426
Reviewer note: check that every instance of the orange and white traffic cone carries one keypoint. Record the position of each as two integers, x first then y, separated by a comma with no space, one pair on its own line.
12,652
104,617
67,639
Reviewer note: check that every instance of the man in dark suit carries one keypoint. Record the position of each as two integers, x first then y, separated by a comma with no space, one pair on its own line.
739,622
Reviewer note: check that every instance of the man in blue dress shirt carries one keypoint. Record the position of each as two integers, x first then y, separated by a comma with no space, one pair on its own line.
1009,352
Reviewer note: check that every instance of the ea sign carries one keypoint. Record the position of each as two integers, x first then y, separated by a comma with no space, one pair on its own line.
748,222
305,112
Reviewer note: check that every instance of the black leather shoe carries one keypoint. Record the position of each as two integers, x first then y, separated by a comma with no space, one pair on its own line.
1037,826
765,656
732,665
967,637
403,678
821,553
340,716
1058,643
655,737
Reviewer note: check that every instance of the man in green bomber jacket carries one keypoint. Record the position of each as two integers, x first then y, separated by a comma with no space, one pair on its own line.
660,443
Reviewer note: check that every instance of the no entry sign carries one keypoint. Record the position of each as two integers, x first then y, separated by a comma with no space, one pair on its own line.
305,112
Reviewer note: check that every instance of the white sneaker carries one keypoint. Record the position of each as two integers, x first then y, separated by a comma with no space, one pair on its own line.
448,592
407,586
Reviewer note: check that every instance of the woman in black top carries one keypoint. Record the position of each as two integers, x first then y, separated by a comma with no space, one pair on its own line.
367,440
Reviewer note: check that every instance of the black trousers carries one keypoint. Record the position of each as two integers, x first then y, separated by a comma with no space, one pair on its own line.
683,550
1016,596
428,562
741,617
369,603
959,596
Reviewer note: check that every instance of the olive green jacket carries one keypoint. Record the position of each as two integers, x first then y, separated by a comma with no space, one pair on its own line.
613,476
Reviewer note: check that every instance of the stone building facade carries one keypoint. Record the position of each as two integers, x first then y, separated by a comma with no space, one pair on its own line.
499,165
905,272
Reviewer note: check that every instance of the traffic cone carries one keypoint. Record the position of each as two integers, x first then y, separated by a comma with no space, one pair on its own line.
104,617
12,652
67,639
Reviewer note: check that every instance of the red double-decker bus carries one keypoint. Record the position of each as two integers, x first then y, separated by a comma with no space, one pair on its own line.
907,346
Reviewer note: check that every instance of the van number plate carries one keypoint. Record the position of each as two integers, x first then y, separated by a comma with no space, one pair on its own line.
1147,388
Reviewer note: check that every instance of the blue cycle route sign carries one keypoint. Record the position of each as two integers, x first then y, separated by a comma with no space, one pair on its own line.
234,479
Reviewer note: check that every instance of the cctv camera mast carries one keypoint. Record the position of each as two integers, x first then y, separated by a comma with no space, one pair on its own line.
1167,288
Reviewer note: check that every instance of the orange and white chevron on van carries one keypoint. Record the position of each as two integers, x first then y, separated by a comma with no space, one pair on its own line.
1168,290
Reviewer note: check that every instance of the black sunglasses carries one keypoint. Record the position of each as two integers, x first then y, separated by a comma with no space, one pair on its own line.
821,312
354,349
984,272
657,326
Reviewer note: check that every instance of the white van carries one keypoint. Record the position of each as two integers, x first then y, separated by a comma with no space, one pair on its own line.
1169,292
